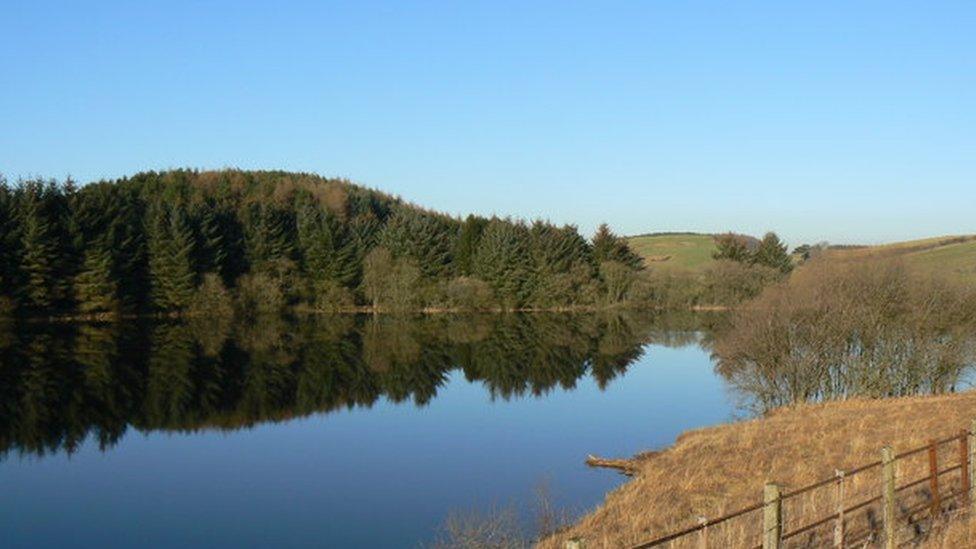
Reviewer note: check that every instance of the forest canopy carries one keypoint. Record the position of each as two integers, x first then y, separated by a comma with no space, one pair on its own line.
186,241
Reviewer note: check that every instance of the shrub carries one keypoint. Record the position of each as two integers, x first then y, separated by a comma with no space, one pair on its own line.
835,330
731,282
618,280
468,293
331,296
211,298
259,294
390,283
668,288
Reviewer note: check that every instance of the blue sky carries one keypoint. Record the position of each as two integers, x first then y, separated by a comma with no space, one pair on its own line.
846,121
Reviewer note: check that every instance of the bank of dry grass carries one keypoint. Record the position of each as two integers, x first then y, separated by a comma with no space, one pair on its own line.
713,471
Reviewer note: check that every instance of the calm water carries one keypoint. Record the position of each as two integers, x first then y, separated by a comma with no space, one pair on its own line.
340,432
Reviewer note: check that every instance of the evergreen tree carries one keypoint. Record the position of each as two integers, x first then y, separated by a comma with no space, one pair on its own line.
503,260
426,239
271,242
563,263
43,259
467,243
213,253
171,252
772,253
141,243
9,250
95,288
324,258
610,247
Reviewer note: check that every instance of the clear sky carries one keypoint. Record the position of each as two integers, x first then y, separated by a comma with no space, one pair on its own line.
840,121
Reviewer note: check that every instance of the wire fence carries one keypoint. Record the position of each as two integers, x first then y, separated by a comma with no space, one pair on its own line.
890,501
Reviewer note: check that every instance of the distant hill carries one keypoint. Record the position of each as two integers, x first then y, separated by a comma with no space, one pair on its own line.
682,250
201,242
674,250
952,255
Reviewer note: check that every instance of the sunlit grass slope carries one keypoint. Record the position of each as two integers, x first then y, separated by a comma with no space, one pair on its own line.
690,251
948,255
712,471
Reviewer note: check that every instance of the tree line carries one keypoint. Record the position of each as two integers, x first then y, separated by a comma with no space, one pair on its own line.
185,241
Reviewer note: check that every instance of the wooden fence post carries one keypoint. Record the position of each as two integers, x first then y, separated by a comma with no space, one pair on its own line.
703,533
772,516
888,495
839,526
972,465
934,479
964,467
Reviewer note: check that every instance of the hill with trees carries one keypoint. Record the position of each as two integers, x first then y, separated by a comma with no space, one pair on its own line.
186,241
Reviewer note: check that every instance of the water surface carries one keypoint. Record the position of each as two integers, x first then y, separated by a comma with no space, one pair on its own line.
343,432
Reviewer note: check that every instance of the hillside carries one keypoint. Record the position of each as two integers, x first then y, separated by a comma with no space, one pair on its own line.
692,251
954,254
712,471
951,255
202,242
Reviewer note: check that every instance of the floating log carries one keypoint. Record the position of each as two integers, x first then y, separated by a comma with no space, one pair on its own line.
625,466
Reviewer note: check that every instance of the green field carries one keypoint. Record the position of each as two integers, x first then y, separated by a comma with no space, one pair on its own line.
683,251
949,255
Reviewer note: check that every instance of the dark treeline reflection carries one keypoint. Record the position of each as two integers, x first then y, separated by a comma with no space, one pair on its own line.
63,383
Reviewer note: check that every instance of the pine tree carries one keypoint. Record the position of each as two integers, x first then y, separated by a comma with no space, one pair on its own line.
95,288
42,259
271,243
9,251
467,243
422,237
610,247
503,260
772,253
171,270
213,254
562,261
317,243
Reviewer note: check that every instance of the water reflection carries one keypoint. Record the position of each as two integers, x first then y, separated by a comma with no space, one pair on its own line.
63,383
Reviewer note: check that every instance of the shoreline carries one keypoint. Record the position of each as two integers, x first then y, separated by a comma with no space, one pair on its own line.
711,471
361,310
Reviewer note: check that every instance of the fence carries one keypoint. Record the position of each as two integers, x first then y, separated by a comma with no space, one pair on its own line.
856,523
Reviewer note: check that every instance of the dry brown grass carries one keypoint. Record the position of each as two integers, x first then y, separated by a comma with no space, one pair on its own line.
953,534
717,470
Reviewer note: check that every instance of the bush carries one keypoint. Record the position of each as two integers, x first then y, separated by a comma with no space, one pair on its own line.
468,293
836,330
259,294
668,288
331,296
618,280
575,287
732,282
390,283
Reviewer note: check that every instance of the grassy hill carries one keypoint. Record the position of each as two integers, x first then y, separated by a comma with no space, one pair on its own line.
953,255
692,251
